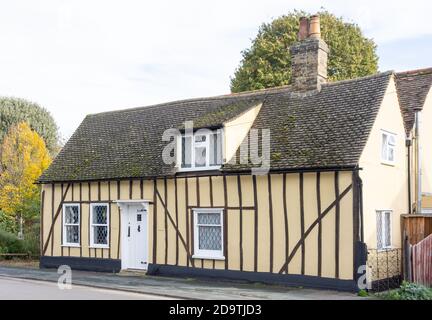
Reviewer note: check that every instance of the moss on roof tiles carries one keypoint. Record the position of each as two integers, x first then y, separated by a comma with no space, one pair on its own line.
326,129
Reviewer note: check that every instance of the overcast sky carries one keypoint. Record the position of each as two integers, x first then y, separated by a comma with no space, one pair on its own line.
80,57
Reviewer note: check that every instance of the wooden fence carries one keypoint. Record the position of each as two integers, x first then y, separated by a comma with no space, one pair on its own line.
421,255
417,248
416,227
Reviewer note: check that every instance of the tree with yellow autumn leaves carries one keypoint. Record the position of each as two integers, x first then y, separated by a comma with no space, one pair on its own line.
24,156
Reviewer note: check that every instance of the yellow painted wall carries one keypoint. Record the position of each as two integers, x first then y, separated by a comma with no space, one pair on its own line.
384,186
236,130
426,144
271,221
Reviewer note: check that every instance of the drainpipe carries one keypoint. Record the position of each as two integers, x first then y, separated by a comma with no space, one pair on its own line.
408,143
418,164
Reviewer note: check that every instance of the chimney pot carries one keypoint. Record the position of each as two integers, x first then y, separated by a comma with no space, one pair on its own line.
315,27
304,29
309,57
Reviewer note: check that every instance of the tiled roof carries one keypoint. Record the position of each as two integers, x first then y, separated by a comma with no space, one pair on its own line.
412,88
327,129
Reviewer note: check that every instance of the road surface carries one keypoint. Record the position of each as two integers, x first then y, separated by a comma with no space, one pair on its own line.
22,289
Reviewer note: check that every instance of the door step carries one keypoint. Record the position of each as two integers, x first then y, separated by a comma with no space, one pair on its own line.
133,272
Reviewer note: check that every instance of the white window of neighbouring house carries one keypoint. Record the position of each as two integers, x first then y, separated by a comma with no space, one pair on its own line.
99,225
384,229
71,225
201,150
388,147
208,233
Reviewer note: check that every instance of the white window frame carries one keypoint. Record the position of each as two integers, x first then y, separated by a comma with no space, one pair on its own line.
64,242
194,144
208,254
390,229
96,245
388,146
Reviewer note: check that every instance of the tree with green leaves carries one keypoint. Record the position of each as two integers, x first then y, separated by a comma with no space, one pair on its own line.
267,62
14,111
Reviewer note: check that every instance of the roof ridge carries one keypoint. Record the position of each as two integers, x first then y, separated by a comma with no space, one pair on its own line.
414,72
209,98
250,93
372,76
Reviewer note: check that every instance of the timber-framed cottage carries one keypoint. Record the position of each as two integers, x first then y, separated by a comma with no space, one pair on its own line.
336,182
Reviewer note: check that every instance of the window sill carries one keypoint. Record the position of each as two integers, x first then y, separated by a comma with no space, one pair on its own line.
99,247
71,246
198,169
385,249
388,164
197,256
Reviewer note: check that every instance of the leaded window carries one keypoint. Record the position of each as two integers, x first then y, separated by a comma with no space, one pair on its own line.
99,225
208,224
71,225
384,229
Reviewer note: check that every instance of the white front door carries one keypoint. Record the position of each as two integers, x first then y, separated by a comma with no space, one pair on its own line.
135,237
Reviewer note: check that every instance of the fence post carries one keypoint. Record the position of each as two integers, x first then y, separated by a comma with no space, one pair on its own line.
407,259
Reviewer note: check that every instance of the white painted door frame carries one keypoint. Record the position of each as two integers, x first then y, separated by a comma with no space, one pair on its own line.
124,217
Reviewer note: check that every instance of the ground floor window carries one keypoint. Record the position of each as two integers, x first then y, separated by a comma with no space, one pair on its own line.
99,225
384,229
71,225
208,233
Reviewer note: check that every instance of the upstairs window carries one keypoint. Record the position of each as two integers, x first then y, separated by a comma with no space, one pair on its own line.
71,225
384,229
388,147
201,150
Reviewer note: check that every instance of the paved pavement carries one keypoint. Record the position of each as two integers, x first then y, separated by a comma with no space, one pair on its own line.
179,288
23,289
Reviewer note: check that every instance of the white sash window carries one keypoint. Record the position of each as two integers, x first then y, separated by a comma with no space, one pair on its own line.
388,147
201,150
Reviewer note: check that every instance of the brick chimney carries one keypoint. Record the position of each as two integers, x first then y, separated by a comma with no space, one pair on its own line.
309,57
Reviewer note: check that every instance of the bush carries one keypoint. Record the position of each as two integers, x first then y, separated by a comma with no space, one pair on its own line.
409,291
9,243
31,242
8,223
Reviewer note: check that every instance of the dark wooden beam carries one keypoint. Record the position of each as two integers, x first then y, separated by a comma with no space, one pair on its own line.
80,206
177,220
337,215
155,221
42,211
285,208
52,217
187,219
110,220
59,210
61,226
166,220
240,198
225,219
318,193
254,182
174,224
270,199
302,223
313,225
